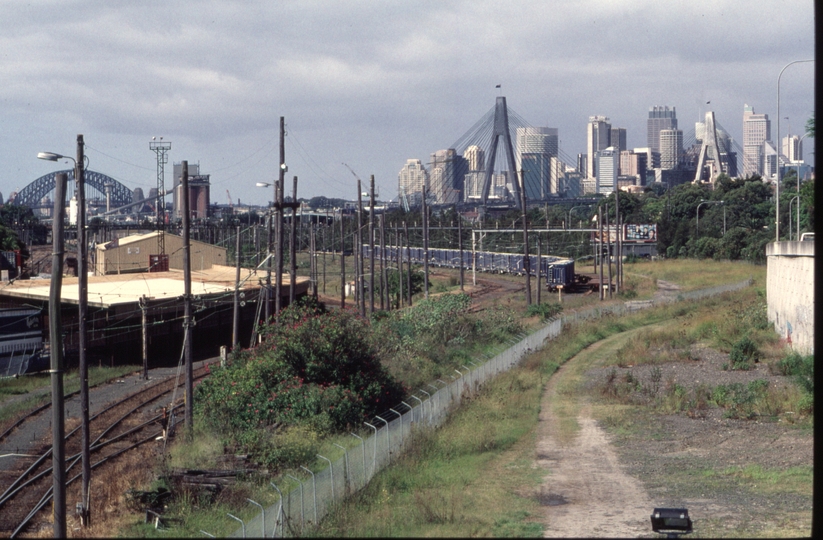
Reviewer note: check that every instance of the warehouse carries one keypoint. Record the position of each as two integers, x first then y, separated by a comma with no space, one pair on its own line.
117,304
134,254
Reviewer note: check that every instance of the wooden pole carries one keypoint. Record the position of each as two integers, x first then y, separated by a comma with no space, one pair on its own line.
371,246
235,325
600,249
292,245
408,264
58,426
526,258
187,327
342,263
460,246
361,278
608,248
82,305
384,298
425,246
279,189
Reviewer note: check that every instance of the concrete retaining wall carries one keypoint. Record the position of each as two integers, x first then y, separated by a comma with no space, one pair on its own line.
790,292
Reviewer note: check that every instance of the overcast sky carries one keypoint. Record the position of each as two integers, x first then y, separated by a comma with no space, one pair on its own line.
372,83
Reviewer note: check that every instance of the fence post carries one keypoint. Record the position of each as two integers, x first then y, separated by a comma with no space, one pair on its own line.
241,523
363,444
374,452
301,501
331,468
421,409
346,473
430,404
279,511
388,437
401,427
314,492
263,510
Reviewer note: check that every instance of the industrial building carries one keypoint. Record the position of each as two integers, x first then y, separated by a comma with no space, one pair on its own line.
121,306
133,254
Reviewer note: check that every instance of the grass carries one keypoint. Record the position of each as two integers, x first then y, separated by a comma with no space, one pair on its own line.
692,274
37,385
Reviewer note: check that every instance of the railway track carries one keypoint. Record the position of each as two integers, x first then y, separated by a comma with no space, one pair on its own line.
117,429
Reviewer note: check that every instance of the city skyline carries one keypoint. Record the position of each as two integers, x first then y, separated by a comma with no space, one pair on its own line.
358,85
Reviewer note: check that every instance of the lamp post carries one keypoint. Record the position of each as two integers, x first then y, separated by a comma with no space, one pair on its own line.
777,185
791,202
82,303
574,208
702,202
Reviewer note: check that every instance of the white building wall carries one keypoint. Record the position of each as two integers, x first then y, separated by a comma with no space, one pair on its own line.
790,292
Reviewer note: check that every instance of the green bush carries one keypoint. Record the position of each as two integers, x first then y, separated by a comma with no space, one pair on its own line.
744,352
799,367
544,310
314,368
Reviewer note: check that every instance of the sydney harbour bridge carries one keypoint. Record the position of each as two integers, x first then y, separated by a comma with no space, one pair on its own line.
102,191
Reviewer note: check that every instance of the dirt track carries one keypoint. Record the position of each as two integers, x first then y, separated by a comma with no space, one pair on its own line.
586,493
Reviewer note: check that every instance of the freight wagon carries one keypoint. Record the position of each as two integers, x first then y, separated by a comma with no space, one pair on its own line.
558,272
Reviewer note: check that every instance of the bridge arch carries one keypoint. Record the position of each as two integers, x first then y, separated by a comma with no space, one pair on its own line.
95,182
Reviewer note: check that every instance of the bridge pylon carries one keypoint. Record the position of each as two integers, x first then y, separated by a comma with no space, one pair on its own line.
501,129
709,147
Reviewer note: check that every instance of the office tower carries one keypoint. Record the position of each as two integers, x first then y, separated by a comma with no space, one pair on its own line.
448,172
617,138
756,131
535,148
597,139
671,148
660,118
582,164
792,148
607,165
411,180
633,163
475,158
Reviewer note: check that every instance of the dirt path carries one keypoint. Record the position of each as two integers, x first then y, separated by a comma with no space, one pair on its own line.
585,492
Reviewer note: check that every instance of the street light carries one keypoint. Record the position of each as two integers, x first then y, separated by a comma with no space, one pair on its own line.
573,208
777,185
82,303
791,202
702,202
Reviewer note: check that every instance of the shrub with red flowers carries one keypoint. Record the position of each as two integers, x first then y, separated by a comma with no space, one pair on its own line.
314,368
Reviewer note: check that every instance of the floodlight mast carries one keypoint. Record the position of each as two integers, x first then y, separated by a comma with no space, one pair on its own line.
161,148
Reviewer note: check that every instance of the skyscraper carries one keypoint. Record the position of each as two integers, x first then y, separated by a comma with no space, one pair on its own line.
598,136
412,179
671,148
608,161
535,148
617,138
792,148
448,171
660,118
756,131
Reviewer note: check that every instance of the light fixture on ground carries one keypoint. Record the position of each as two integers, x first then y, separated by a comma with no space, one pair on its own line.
671,521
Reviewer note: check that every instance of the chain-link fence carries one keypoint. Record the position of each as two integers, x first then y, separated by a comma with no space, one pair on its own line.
304,502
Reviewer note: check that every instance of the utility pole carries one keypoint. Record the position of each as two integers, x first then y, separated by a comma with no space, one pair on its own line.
269,221
235,327
292,246
526,262
619,245
383,282
82,303
187,325
608,248
280,187
58,454
342,263
600,249
539,267
361,278
371,245
460,244
398,239
425,246
408,262
145,326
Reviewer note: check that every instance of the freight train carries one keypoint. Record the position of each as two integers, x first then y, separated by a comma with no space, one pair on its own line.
558,272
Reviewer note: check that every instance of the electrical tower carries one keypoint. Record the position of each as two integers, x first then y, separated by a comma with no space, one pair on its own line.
161,148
